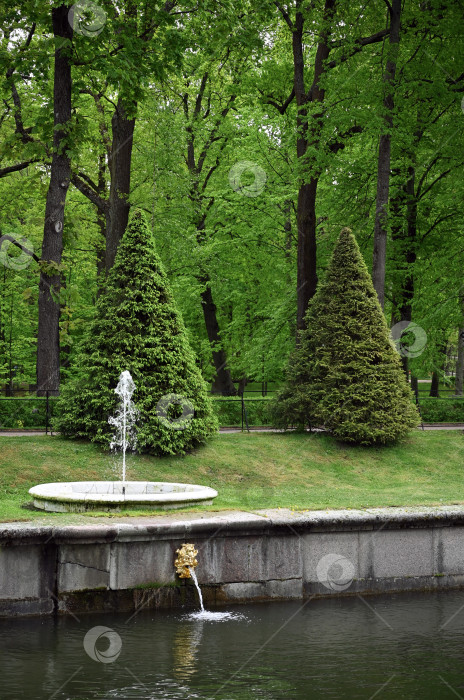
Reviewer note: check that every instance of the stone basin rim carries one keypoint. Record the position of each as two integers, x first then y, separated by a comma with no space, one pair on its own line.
81,492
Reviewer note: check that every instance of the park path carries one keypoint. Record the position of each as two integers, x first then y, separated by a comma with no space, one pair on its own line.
427,426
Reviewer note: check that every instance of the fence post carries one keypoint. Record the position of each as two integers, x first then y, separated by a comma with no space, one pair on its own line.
416,393
47,407
243,407
245,414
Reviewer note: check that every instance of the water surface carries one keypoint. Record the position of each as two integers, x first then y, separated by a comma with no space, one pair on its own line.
401,646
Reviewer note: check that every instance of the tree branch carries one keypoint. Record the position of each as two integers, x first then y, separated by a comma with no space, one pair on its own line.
17,112
359,44
201,92
282,108
88,180
437,222
101,204
212,137
437,179
284,14
338,145
7,237
424,175
19,166
390,8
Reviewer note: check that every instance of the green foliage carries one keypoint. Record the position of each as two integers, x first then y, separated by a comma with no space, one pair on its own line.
442,410
24,413
346,373
155,61
137,328
229,411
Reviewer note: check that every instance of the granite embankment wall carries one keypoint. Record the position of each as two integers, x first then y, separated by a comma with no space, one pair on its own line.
123,564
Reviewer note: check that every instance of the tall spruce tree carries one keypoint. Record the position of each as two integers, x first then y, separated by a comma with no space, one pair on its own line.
346,373
137,327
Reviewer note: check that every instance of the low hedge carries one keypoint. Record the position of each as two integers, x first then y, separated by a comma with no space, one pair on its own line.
17,413
229,411
23,412
435,410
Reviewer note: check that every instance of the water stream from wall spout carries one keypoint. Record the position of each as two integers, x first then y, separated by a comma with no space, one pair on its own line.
207,614
195,581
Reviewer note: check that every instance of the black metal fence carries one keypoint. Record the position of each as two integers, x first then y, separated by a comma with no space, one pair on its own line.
240,411
27,412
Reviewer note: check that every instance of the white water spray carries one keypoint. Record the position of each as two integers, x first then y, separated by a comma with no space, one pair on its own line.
195,581
207,614
124,421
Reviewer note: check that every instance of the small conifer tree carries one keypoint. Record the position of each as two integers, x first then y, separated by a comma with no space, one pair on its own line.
346,374
137,327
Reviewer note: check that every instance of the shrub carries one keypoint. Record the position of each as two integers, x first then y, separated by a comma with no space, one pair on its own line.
229,411
442,410
346,373
24,412
137,327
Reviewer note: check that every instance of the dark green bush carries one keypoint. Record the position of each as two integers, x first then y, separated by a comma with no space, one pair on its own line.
229,411
137,327
442,410
346,373
30,412
23,412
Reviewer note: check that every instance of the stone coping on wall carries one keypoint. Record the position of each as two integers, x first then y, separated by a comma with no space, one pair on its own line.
179,525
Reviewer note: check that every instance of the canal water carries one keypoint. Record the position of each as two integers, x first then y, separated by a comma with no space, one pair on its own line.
389,647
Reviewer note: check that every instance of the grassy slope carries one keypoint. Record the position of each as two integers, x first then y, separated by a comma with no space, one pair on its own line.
254,471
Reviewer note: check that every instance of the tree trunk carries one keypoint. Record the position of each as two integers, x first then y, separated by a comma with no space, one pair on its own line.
242,384
48,343
309,131
288,227
222,383
402,309
201,204
306,258
102,220
434,386
306,206
383,164
459,381
460,364
120,171
288,253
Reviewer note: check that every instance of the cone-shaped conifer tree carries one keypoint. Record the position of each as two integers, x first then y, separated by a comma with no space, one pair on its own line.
346,374
137,327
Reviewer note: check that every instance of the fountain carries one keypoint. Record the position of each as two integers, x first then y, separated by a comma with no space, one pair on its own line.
185,568
81,496
124,421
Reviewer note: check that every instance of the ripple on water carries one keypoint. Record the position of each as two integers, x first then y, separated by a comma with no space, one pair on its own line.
215,616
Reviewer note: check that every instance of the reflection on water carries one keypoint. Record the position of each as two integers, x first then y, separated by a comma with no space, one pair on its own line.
403,646
185,649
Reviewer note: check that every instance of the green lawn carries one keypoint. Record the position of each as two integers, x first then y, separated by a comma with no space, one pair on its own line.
252,471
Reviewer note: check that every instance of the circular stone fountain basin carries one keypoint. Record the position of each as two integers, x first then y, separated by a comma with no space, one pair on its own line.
80,496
